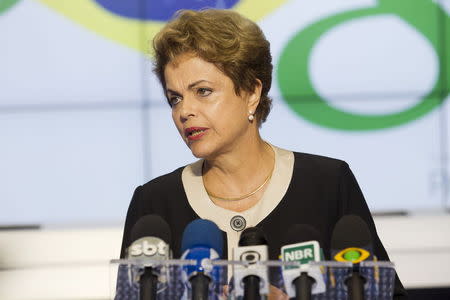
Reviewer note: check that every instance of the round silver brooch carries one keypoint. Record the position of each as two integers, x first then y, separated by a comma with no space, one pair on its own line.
238,223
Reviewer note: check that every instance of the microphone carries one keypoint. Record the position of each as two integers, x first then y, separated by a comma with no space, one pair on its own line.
202,241
302,245
251,280
151,238
352,242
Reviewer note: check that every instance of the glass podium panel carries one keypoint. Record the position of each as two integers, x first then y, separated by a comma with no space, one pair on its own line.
173,281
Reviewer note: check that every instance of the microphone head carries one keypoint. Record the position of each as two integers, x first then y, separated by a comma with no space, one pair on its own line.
252,249
150,238
151,226
351,240
202,233
252,236
300,233
350,231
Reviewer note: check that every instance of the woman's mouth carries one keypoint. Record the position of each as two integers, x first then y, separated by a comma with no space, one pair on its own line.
195,133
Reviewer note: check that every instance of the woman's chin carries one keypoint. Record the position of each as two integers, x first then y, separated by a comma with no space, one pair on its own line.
199,151
199,154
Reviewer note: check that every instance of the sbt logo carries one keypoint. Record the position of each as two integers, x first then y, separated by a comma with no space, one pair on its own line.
148,246
301,252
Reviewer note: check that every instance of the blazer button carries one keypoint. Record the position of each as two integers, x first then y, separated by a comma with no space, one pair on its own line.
238,223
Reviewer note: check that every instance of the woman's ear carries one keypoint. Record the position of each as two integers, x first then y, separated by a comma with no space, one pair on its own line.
254,97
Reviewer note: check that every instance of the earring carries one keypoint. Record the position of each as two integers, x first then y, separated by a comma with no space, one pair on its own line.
251,116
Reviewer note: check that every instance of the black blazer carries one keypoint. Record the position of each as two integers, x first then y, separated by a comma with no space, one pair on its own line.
321,191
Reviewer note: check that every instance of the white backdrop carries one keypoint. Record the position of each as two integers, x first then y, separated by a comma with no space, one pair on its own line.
83,120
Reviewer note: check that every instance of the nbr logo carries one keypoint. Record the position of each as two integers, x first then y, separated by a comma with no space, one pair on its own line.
302,253
299,253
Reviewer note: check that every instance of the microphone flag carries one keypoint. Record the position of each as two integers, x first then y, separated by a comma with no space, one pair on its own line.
252,255
303,253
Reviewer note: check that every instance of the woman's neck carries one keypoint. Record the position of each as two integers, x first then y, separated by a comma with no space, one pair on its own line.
240,171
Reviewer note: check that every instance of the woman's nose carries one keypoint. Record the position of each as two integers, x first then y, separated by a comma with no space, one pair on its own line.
188,108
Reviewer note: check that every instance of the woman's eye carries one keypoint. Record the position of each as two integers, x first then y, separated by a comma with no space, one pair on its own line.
204,92
173,100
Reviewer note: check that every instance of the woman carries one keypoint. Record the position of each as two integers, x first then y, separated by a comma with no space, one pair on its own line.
215,69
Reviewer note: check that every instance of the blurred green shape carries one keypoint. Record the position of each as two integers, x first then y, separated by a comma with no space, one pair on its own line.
6,4
298,90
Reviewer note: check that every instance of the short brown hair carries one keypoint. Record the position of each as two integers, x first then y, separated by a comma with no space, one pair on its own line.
233,43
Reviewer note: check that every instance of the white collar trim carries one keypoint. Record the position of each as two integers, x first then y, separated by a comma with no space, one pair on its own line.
274,193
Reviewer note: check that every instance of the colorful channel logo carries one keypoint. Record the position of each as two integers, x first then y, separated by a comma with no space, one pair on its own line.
294,75
134,22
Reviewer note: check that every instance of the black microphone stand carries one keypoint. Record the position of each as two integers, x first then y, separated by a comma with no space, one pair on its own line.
200,286
251,287
148,285
303,286
355,286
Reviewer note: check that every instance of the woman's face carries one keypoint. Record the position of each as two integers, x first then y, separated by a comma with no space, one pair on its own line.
210,117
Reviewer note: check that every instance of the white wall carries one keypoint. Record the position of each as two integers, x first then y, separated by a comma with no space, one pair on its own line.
73,263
